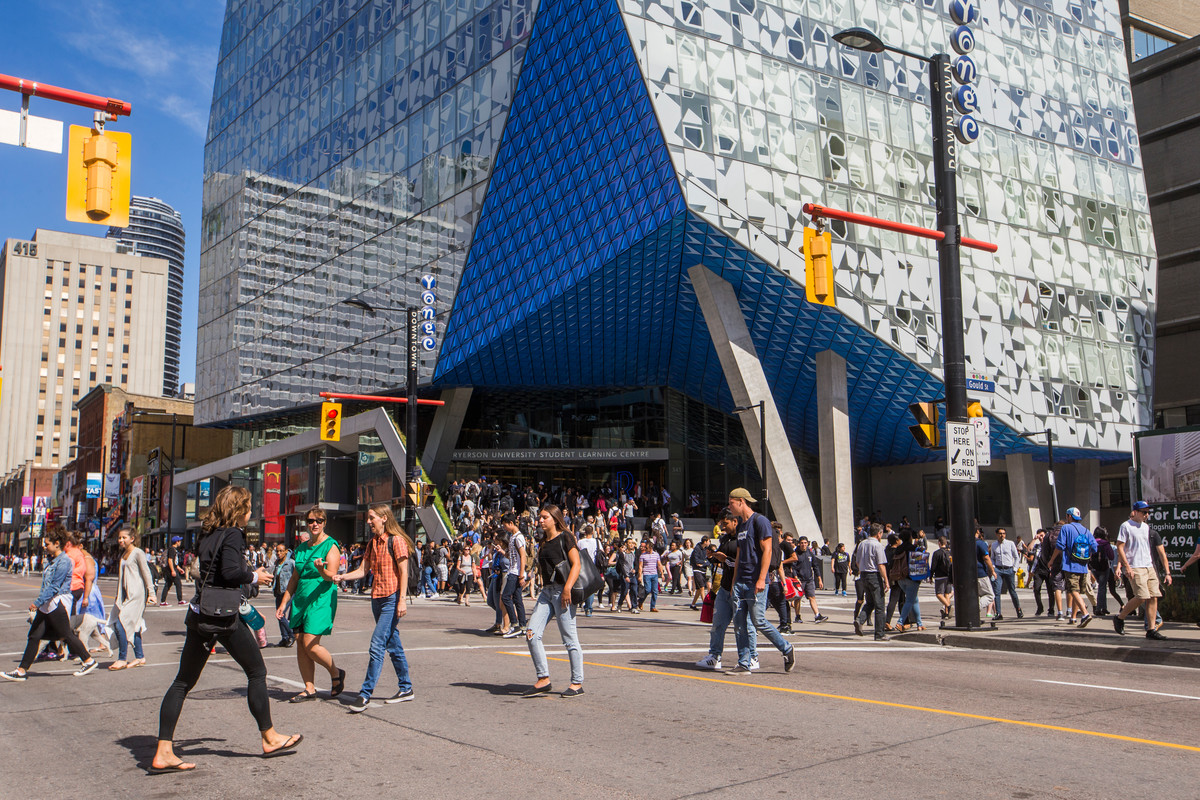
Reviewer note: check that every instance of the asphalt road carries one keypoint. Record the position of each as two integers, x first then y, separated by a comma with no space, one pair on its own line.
856,719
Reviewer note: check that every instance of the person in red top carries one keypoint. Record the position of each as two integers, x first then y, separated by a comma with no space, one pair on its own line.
81,588
386,557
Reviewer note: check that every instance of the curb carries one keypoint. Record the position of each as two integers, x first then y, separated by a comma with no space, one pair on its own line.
1130,655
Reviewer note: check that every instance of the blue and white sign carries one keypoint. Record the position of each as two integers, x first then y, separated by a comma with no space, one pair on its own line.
980,385
962,40
964,12
95,484
427,327
967,129
966,101
965,71
204,493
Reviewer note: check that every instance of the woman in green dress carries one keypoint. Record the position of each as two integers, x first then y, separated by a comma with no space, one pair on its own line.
313,592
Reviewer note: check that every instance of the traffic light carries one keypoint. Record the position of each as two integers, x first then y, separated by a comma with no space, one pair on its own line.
818,267
975,409
926,430
413,495
331,422
426,494
98,176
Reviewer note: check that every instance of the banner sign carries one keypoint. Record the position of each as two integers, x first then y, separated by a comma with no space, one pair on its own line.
7,516
1168,470
632,454
26,505
94,484
112,486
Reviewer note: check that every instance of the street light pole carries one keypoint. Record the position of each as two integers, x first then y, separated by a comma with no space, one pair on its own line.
1049,434
945,182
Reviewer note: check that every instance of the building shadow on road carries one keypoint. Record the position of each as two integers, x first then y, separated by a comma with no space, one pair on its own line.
507,689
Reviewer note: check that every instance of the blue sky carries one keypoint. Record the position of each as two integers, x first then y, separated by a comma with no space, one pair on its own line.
159,56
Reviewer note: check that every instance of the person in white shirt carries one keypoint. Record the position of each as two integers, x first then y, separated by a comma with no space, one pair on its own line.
1005,558
588,545
1137,560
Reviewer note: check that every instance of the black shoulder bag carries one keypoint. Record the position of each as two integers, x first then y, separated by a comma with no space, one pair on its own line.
589,580
216,602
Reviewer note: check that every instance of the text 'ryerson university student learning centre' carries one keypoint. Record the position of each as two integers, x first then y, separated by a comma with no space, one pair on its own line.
602,202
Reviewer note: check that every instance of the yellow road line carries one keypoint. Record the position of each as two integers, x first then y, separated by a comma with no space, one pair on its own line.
848,698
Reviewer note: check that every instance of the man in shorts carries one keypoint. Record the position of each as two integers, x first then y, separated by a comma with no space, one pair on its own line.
1136,556
1075,545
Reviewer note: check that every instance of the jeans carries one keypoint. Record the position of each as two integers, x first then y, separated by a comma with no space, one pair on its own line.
549,604
722,616
650,586
751,607
872,586
123,642
285,628
385,639
631,584
243,648
428,583
1006,581
911,606
1040,577
511,598
1106,582
777,601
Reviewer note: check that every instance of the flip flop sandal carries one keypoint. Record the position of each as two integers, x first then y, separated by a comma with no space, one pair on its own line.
303,697
116,665
287,747
173,768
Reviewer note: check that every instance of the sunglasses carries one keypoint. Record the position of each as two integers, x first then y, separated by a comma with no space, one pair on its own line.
315,521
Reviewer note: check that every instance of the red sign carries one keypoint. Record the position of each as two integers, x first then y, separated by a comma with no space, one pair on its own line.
272,519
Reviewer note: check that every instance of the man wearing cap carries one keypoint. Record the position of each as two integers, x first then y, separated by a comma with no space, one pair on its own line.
1075,545
1136,557
173,573
750,582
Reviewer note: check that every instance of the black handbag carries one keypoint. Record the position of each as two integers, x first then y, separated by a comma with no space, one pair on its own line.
217,602
588,583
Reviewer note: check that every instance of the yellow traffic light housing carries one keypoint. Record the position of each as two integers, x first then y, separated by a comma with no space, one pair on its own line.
818,267
331,422
926,431
98,176
413,495
975,409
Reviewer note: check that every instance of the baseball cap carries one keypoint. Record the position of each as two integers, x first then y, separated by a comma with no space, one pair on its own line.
1141,505
742,494
1074,513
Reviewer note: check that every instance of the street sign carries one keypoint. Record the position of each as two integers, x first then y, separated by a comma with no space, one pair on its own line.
980,385
39,133
983,440
962,463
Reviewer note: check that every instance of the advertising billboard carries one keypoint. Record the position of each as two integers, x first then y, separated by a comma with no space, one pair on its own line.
1168,466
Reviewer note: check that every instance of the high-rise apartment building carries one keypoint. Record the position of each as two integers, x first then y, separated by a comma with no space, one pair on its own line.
156,229
75,313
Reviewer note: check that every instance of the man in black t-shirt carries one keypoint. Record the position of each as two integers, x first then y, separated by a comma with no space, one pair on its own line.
808,572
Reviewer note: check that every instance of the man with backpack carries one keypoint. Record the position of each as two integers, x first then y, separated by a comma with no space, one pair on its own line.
1075,545
757,553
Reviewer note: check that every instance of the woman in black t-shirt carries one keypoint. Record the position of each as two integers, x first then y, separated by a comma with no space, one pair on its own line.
558,565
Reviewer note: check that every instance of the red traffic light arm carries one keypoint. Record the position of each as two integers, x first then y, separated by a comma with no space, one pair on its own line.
378,398
118,108
814,210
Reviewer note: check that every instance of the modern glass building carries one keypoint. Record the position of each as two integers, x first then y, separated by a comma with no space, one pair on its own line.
156,229
558,168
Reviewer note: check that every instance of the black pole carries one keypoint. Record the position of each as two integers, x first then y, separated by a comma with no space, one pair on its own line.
762,431
1050,472
961,494
410,445
171,491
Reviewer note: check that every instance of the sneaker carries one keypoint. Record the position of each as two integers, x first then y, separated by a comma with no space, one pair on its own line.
1058,617
998,618
1119,625
858,627
820,618
1038,613
47,655
287,643
182,603
1155,634
87,667
513,632
15,676
882,638
360,704
636,611
1020,614
710,662
400,697
754,663
1083,622
789,660
160,605
784,628
740,670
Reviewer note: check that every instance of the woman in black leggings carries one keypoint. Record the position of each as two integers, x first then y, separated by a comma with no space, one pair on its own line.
222,565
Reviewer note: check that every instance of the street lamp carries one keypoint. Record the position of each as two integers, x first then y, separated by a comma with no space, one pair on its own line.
410,446
945,162
1049,434
761,408
171,490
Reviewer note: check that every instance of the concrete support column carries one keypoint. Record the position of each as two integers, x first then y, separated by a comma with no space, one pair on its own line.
1087,491
443,435
748,385
833,425
1024,478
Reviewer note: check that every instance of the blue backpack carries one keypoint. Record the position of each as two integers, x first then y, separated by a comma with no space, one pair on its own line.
1081,549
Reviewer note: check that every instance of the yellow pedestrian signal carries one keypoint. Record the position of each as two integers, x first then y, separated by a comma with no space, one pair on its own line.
331,422
413,494
975,409
926,431
818,267
98,176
